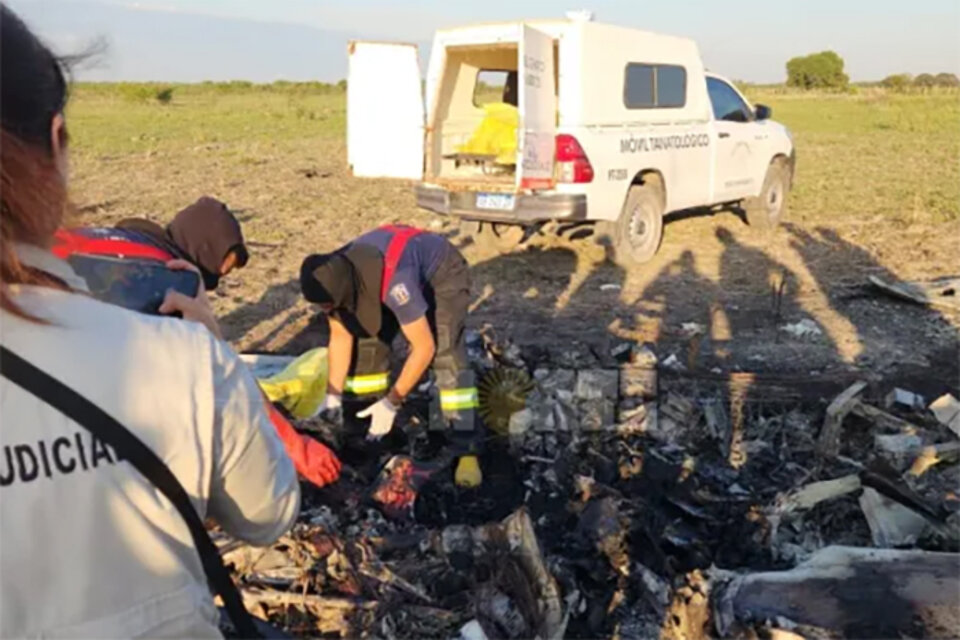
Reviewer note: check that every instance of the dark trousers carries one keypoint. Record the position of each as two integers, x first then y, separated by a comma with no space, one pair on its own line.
448,294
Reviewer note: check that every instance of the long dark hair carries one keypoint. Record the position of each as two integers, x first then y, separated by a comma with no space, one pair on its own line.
33,196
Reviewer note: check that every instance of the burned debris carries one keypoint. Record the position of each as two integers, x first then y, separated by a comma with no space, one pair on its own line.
628,499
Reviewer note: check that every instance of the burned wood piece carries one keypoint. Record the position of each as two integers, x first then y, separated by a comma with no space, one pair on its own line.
943,292
898,449
422,611
946,409
891,524
805,498
899,492
873,593
676,416
523,542
656,590
603,526
828,443
934,455
333,615
267,565
525,580
399,541
908,451
689,612
501,614
849,402
903,399
371,567
814,493
718,424
881,418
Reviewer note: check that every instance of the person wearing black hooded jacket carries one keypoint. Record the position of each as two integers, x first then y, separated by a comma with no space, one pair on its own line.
205,234
398,279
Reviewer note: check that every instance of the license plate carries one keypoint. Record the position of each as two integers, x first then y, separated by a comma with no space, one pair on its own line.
498,201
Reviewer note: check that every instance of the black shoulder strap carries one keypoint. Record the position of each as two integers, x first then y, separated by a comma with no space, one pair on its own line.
133,450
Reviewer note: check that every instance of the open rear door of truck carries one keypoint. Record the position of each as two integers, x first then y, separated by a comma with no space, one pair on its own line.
384,111
538,110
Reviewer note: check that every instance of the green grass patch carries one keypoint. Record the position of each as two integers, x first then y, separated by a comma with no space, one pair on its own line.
860,154
873,153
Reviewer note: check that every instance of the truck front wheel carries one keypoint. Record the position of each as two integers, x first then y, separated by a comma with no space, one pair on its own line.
769,209
639,229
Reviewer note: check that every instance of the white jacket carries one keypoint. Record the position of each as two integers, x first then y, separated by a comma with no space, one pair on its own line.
88,547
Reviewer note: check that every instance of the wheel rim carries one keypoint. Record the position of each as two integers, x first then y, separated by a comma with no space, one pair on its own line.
641,229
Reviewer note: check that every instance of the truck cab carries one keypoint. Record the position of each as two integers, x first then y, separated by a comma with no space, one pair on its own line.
570,121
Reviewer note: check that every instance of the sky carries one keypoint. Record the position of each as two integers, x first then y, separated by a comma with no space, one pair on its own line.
266,40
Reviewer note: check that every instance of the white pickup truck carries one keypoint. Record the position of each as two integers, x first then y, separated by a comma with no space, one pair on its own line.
612,126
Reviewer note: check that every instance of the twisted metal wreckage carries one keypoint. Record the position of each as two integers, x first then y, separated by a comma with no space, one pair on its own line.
632,499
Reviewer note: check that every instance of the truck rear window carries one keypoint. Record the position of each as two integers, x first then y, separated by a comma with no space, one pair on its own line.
495,85
654,86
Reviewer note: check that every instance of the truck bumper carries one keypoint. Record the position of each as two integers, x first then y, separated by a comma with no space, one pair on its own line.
527,208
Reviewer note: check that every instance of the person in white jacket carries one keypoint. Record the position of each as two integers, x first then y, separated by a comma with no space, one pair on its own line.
88,546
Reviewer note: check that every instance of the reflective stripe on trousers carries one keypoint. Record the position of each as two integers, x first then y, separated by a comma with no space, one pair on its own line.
458,399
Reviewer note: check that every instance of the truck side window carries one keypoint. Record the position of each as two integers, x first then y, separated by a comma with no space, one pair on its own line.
653,86
638,87
671,82
727,103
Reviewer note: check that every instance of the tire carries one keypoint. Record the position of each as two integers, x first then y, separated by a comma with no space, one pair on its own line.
769,209
639,230
497,237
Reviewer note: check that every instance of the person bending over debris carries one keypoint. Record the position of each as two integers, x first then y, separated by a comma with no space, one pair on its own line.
389,280
121,431
205,234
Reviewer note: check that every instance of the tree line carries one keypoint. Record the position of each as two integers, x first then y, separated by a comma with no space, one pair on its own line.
824,70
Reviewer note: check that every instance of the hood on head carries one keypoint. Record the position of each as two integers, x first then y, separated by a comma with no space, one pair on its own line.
205,232
329,278
349,280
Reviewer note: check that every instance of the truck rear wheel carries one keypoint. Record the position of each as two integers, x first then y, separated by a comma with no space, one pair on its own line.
493,236
639,229
769,209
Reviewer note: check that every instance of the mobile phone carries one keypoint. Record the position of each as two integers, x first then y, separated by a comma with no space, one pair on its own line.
138,285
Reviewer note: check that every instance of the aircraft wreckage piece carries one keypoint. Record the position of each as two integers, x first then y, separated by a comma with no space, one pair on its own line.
861,592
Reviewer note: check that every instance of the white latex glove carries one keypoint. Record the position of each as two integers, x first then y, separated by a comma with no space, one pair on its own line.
331,402
381,416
